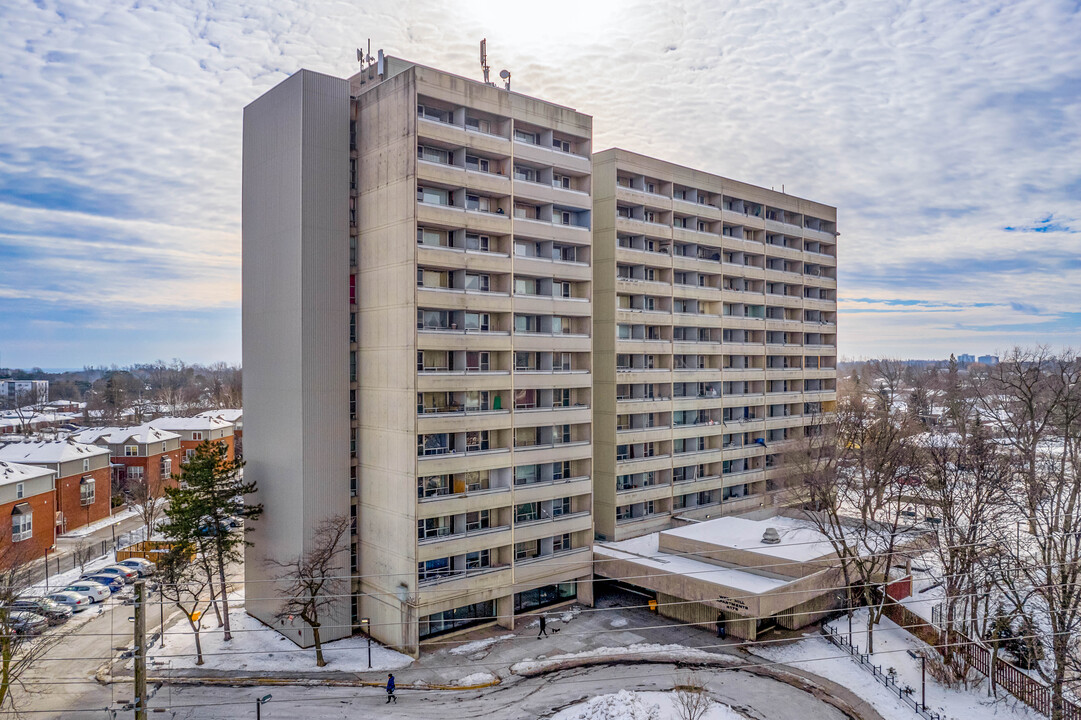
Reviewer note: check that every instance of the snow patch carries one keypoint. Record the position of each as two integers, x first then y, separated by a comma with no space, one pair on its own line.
479,645
658,653
618,622
478,678
630,705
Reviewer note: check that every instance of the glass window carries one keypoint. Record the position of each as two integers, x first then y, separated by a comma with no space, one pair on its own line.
22,524
86,491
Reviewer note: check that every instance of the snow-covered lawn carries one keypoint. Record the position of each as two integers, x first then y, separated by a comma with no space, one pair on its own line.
656,653
818,655
629,705
256,647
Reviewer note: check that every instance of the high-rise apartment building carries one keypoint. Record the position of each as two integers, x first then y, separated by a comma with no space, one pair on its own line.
417,345
715,335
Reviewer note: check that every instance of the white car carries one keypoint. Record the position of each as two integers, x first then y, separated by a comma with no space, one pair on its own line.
74,600
95,591
139,565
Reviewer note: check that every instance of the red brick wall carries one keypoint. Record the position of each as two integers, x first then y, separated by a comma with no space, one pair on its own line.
152,465
192,444
68,501
44,511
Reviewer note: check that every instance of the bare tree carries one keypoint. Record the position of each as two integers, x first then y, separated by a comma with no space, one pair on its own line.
692,700
852,491
187,586
83,552
314,579
18,651
148,499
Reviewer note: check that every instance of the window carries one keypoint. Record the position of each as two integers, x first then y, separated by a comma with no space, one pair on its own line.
432,154
478,560
134,473
433,486
86,464
526,512
527,174
163,446
166,467
477,521
19,491
479,322
474,241
477,361
526,550
188,455
478,164
525,286
86,491
479,203
433,444
478,124
561,145
131,450
526,474
433,196
476,440
525,437
561,542
436,238
478,282
432,569
524,136
561,181
561,506
433,527
623,512
196,436
22,523
564,218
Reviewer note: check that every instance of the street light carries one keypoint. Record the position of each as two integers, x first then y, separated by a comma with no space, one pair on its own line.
366,623
259,706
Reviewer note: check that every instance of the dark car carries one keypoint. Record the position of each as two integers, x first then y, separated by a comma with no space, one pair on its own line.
115,583
51,610
26,623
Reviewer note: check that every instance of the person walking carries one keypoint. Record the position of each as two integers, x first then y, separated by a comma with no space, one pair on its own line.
390,689
543,627
720,627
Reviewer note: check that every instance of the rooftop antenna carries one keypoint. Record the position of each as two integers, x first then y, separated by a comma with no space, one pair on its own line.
484,60
365,58
505,74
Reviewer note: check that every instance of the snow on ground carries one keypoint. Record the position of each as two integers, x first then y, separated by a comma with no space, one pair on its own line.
818,655
100,524
659,653
479,645
62,580
618,622
478,678
629,705
256,647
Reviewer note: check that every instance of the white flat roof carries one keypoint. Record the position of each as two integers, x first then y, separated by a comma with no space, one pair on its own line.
644,552
800,540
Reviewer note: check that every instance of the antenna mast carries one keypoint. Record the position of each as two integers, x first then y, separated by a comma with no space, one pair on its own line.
484,60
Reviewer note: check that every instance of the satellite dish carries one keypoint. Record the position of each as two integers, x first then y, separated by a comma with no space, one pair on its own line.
504,74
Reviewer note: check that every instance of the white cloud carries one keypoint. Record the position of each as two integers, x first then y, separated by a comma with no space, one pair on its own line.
932,125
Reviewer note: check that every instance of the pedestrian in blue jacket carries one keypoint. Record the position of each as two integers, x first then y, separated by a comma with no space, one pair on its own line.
390,689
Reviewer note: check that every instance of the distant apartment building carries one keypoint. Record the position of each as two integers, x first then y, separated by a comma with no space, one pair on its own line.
19,393
987,359
417,339
236,417
966,359
194,431
715,341
140,454
27,511
82,478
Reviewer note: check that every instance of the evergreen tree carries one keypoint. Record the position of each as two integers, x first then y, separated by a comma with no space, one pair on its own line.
205,508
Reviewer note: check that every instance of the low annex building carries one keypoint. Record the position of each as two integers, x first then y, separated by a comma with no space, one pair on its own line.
27,507
82,478
750,574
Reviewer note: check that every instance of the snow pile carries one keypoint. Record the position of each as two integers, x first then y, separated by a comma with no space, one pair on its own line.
477,678
618,622
624,705
479,645
258,648
92,528
644,651
819,656
628,705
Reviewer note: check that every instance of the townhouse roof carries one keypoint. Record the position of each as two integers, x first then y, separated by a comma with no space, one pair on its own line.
119,435
16,473
227,414
190,423
49,451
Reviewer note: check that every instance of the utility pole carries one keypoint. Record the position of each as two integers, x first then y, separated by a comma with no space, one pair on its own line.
923,681
140,650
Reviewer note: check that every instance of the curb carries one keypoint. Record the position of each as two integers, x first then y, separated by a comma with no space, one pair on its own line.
277,682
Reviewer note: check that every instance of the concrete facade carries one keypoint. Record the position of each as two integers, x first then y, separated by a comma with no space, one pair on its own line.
295,325
715,327
473,356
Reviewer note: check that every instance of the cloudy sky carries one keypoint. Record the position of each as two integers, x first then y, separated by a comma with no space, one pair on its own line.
947,133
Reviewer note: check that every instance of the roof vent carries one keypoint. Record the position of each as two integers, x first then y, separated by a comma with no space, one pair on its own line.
770,536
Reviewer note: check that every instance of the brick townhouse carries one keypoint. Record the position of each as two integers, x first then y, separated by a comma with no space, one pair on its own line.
27,507
193,431
82,478
139,454
235,416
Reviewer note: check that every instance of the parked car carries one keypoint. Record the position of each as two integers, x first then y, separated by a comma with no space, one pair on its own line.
74,600
114,582
93,590
129,575
27,623
139,565
51,610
